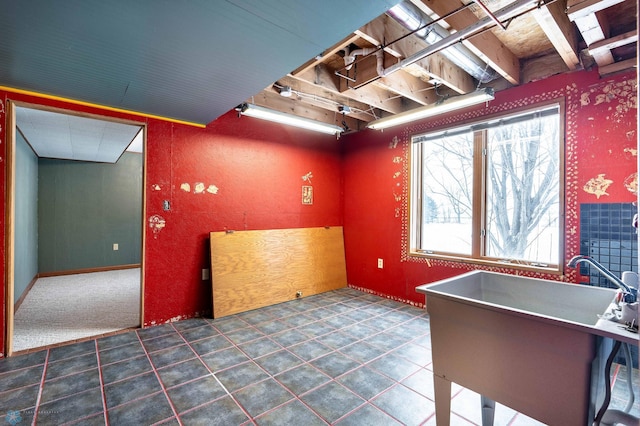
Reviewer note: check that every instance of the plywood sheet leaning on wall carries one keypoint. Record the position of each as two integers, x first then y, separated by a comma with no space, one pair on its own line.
252,269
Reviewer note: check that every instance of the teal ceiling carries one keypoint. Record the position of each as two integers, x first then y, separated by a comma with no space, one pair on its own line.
190,60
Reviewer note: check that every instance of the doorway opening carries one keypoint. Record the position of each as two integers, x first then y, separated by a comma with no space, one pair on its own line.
75,232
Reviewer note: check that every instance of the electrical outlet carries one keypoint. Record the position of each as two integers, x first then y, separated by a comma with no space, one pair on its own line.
205,274
380,263
115,247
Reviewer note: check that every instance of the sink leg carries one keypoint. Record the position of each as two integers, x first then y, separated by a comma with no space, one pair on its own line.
442,390
488,409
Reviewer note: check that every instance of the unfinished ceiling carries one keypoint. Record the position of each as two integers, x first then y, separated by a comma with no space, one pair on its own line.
422,51
344,63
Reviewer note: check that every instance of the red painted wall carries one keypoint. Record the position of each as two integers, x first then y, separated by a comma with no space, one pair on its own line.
251,176
359,182
254,172
601,122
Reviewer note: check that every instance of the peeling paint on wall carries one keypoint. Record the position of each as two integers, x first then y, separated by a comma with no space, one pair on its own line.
157,224
199,188
393,143
156,187
621,95
631,183
598,185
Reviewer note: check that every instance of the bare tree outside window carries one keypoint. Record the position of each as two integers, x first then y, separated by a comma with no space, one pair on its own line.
523,190
448,189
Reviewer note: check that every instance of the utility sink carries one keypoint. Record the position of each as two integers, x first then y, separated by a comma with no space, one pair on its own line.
529,343
553,300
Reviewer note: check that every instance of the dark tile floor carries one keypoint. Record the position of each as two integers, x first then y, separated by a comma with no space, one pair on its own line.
343,357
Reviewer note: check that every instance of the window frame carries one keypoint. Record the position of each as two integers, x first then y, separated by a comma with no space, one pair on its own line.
479,208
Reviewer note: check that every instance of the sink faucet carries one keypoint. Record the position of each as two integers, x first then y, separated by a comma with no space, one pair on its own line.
630,295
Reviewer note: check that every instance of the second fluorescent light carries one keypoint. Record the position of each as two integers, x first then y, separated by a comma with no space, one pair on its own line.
450,104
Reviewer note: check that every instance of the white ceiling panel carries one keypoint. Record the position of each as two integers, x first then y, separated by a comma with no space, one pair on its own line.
71,137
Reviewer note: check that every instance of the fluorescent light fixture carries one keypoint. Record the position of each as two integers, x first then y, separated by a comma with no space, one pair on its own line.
450,104
291,120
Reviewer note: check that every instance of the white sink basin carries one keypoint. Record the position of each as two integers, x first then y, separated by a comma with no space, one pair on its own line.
551,299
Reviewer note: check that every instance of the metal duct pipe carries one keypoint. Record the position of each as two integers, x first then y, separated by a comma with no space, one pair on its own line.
505,13
350,57
411,18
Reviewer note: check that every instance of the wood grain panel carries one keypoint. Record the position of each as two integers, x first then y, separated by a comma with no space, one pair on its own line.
252,269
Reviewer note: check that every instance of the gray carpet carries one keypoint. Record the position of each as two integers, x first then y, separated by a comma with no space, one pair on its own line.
70,307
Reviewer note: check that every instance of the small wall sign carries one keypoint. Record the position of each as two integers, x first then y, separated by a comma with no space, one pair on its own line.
307,194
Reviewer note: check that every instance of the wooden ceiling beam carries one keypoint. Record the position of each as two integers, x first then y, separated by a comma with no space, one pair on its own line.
410,87
352,38
485,45
317,96
581,8
384,30
370,94
561,32
272,100
364,72
584,13
618,66
613,42
594,30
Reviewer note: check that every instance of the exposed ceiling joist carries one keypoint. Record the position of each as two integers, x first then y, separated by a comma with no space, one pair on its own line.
584,13
513,53
553,20
618,66
385,31
374,96
322,98
307,108
582,8
613,42
486,45
320,58
405,84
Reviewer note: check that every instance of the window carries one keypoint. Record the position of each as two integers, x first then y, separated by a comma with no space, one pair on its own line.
490,191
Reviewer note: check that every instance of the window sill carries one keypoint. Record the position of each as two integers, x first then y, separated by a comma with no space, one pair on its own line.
495,263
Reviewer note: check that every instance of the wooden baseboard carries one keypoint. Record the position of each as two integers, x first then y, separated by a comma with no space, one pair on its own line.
87,270
24,294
